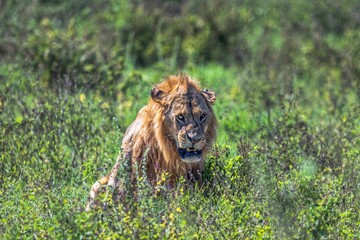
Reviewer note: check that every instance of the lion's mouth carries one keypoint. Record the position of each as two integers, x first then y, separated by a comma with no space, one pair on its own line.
190,154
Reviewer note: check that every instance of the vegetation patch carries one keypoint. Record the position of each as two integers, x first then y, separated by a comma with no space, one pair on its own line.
285,165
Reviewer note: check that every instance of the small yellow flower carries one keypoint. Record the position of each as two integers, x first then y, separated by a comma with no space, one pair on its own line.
45,22
82,97
105,105
178,210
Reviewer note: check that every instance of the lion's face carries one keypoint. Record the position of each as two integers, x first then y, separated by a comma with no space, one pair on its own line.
187,118
188,123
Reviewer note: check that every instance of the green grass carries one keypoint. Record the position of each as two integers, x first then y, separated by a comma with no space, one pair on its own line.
286,161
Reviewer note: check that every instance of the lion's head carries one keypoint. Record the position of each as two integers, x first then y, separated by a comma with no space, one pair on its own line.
189,121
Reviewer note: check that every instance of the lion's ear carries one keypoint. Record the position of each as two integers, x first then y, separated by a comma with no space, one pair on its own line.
209,95
157,94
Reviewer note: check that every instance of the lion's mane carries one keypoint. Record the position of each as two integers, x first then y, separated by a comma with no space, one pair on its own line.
150,131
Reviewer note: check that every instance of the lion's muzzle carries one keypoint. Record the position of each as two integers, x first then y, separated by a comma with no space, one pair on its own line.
193,136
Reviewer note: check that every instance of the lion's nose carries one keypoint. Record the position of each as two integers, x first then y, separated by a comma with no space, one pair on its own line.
193,136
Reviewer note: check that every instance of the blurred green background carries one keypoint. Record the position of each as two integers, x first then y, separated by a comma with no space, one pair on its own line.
73,75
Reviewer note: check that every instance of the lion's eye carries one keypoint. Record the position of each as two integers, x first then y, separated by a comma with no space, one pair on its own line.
180,118
202,117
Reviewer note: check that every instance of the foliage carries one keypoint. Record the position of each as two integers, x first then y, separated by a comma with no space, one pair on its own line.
73,75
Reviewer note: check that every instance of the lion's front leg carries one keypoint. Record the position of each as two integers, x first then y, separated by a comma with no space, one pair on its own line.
109,180
94,192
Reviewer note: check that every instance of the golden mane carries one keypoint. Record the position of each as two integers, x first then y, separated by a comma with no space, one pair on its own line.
165,152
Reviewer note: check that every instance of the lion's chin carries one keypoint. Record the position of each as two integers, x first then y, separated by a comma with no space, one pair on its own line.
190,155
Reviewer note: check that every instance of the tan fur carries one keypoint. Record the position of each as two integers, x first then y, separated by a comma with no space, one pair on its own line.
159,131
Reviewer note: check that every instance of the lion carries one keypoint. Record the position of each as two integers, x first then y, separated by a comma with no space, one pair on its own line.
173,133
